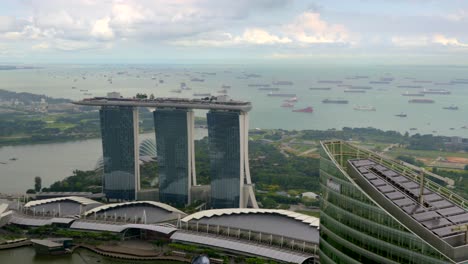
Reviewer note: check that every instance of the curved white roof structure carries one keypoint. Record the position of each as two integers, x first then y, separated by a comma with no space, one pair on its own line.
80,200
310,220
150,203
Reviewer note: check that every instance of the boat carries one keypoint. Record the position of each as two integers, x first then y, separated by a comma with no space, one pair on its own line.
291,100
401,115
452,107
353,91
335,101
330,81
226,86
361,87
379,82
412,94
197,80
413,128
13,159
223,91
421,81
258,85
201,94
364,108
267,89
421,101
410,86
320,88
304,110
176,91
287,105
281,94
435,91
283,83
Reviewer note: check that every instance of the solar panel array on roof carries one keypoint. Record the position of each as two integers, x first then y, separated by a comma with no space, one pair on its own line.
437,214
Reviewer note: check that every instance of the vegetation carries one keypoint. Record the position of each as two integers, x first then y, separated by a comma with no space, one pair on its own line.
411,160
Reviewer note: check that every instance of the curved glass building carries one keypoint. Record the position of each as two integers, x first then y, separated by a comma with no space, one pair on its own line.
374,210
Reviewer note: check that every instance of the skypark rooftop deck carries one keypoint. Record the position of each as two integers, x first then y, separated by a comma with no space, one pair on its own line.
208,103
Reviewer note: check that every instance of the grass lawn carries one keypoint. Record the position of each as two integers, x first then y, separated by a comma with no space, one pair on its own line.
425,153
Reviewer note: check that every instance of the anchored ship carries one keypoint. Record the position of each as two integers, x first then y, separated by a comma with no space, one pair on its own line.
364,108
304,110
335,101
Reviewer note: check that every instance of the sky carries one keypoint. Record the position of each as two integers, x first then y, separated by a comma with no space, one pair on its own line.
227,31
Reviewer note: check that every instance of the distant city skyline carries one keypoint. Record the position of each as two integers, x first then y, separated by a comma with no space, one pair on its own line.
131,31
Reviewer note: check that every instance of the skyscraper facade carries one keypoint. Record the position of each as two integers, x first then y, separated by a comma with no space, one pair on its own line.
356,226
119,131
227,144
175,148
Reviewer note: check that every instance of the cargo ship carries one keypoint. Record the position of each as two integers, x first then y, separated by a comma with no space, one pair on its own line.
201,94
361,87
435,91
320,88
258,85
304,110
364,108
283,83
281,94
291,100
353,91
421,101
287,105
410,86
268,89
412,94
335,101
452,107
329,81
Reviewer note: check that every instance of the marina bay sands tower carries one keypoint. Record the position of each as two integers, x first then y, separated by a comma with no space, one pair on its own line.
231,185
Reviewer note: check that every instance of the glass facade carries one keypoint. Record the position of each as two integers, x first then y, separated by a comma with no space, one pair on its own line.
172,143
225,157
353,229
118,147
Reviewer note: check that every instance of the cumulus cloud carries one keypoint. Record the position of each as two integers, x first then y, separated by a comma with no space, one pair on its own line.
443,40
421,41
310,28
102,30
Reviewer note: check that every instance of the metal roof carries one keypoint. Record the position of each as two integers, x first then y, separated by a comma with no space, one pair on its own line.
16,219
117,228
151,203
242,246
3,207
80,200
310,220
46,243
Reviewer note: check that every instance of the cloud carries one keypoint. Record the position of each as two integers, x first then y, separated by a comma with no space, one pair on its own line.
102,30
422,41
443,40
309,28
261,36
410,41
253,36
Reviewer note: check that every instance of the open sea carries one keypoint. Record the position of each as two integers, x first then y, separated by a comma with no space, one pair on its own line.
58,80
